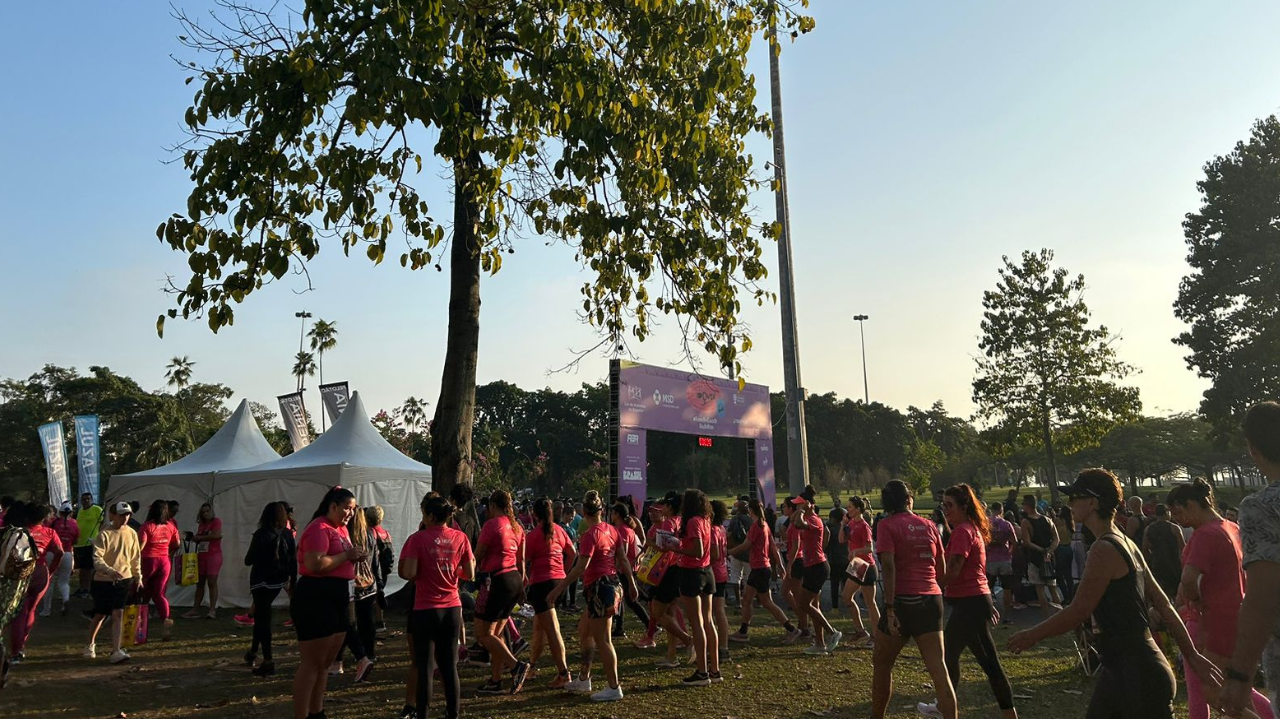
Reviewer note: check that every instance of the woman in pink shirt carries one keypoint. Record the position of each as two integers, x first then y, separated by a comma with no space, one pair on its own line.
546,551
816,573
500,555
972,612
794,576
69,532
1211,590
630,533
600,560
720,571
434,559
49,555
158,540
911,561
326,569
697,585
766,564
663,610
208,539
856,533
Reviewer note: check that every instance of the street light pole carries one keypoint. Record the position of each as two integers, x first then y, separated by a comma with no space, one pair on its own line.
866,393
302,333
797,445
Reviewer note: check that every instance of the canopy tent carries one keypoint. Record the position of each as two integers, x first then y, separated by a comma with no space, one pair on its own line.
189,480
351,454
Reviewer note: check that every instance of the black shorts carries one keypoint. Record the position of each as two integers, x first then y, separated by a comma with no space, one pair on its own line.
815,575
537,595
759,579
797,570
319,607
83,556
917,614
669,588
720,588
109,596
601,597
869,581
697,582
505,591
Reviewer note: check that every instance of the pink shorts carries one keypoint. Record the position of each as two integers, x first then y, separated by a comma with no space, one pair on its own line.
210,564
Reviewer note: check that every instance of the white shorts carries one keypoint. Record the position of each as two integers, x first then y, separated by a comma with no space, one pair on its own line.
738,570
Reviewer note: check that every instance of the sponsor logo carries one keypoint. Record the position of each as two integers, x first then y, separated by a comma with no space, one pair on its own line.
660,399
633,438
632,475
634,392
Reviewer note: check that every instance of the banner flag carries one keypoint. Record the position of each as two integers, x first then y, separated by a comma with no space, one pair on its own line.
55,462
87,454
294,416
334,398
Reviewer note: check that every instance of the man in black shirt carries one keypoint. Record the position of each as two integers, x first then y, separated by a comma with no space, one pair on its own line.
1040,541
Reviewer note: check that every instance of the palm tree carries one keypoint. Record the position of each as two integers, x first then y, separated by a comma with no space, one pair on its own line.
414,413
324,337
178,374
304,366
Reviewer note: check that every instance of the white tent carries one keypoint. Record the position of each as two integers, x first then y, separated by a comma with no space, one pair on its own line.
351,454
189,480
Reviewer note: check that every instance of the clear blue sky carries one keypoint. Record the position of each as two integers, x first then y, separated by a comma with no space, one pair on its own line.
925,140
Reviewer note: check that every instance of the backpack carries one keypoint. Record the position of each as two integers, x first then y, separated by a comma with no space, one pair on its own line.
17,554
739,526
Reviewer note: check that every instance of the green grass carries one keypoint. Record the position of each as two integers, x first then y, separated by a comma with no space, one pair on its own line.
199,674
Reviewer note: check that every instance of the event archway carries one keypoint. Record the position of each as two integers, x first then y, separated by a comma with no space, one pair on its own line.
644,398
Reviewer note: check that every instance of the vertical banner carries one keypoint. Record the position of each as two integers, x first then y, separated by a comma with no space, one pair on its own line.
633,460
334,398
87,454
294,416
55,462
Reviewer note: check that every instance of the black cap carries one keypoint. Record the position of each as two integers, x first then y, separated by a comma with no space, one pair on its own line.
670,499
1082,487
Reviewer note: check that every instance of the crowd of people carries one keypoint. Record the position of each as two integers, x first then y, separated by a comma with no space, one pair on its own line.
1137,575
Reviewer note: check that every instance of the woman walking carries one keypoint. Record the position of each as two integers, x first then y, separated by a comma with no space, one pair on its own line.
546,551
1135,681
911,561
384,561
49,556
766,564
361,639
856,535
697,584
1211,589
966,590
664,613
434,559
794,577
208,539
816,572
272,567
599,564
630,533
69,532
159,541
500,554
319,605
720,572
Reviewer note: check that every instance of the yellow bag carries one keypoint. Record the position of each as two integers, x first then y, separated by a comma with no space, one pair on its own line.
652,565
190,574
133,625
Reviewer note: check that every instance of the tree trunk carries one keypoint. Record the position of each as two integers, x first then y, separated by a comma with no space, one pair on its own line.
456,408
1052,465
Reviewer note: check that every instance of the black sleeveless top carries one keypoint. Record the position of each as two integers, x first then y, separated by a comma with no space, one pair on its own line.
1121,614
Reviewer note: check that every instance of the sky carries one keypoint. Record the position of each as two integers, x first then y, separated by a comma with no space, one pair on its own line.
924,141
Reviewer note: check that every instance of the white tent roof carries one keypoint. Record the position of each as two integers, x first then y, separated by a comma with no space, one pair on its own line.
351,452
237,445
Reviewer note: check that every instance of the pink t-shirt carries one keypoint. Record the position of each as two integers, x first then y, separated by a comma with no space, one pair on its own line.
321,536
697,527
1215,550
627,536
546,557
210,527
795,550
759,535
158,540
858,535
440,552
1001,547
502,544
599,545
811,531
68,531
720,567
966,543
46,539
916,546
667,524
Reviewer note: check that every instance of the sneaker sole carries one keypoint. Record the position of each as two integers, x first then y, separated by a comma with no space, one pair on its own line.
701,683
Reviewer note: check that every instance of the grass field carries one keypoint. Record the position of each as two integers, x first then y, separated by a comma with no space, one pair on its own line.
199,674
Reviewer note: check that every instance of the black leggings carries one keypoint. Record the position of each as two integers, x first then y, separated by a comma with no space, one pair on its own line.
637,608
262,600
970,627
366,627
435,644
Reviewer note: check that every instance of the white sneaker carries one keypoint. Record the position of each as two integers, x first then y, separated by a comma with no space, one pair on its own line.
833,640
815,650
929,710
118,656
579,686
335,669
608,694
665,663
90,652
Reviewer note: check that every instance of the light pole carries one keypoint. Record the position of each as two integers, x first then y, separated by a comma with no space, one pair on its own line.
866,393
302,333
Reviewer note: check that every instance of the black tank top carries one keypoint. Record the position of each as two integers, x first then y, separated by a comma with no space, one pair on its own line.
1121,614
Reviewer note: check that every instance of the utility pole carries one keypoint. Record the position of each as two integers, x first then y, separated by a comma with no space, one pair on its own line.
797,445
866,393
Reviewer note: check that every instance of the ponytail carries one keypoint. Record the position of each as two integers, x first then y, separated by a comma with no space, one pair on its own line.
542,512
335,495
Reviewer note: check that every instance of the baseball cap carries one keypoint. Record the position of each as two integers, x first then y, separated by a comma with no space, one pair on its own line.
799,500
66,507
123,508
670,499
1086,485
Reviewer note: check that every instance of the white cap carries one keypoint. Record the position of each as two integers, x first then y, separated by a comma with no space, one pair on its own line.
66,507
123,508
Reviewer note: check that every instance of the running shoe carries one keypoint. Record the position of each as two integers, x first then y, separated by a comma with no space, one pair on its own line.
525,610
579,686
520,646
1019,605
561,681
244,620
608,694
815,650
792,637
90,652
266,669
715,677
833,640
929,709
518,674
335,669
119,656
18,658
363,670
490,688
381,628
739,637
288,623
645,643
665,663
697,679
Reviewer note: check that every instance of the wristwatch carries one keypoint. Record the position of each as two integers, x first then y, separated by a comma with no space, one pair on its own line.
1236,675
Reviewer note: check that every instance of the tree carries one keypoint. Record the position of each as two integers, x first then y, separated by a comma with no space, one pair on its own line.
413,413
276,435
178,374
304,365
324,337
618,128
1045,376
1231,297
